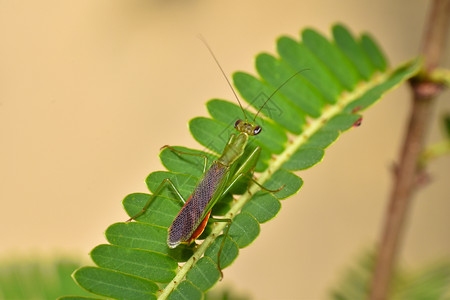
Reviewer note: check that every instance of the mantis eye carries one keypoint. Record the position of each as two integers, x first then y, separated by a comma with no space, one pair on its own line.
237,123
257,130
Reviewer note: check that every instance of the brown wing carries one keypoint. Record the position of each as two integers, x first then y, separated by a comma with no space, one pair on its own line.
189,218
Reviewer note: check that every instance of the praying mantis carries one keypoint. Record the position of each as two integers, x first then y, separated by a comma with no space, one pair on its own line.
216,181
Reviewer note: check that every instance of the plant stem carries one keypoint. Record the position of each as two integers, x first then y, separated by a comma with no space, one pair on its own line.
408,170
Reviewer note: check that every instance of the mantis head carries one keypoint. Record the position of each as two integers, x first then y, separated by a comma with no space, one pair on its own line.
247,127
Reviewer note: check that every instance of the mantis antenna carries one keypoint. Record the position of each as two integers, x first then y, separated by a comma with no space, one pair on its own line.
231,87
223,73
276,90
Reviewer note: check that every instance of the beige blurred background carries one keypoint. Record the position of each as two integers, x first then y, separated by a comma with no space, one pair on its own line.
90,90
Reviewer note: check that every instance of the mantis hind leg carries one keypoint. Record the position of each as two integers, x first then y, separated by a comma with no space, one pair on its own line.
266,189
225,235
165,182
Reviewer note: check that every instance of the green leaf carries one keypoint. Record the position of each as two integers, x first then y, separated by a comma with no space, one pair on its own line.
289,183
352,50
323,138
230,251
138,236
149,237
204,274
25,277
211,134
432,282
115,284
304,158
161,211
299,90
332,58
300,116
185,164
184,183
375,93
263,207
341,122
299,57
146,264
186,291
244,229
374,53
280,109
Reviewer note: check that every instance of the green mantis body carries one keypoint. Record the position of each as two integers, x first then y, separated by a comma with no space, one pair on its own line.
220,177
215,183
